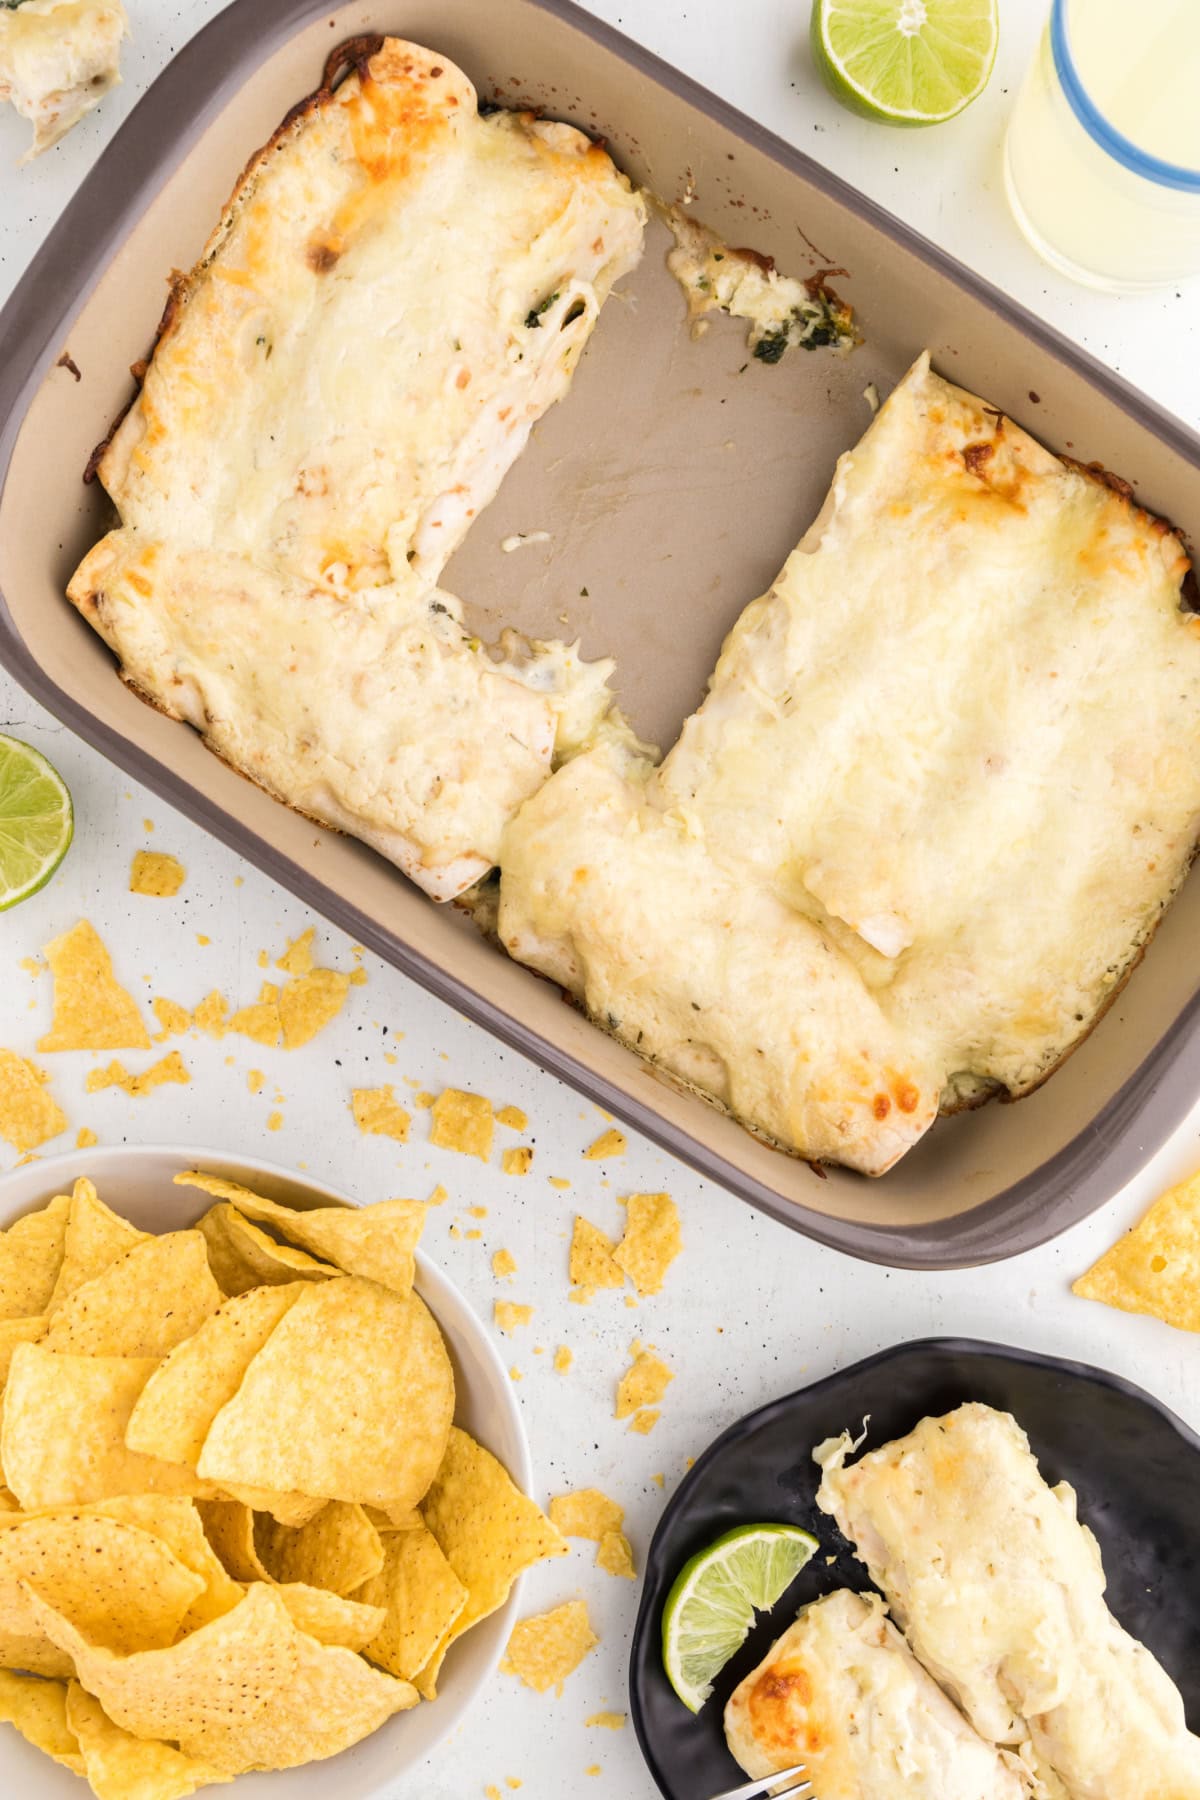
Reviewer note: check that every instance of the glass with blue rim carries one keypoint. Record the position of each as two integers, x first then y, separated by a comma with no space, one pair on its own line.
1102,156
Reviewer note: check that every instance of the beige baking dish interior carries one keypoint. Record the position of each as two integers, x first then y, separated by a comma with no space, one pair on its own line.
673,481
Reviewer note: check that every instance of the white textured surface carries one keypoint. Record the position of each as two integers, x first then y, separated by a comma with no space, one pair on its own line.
750,1311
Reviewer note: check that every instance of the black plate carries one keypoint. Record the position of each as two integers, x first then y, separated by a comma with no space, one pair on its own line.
1134,1465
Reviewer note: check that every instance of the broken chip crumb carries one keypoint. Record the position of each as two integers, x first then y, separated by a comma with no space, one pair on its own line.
463,1122
643,1383
658,1480
260,1022
615,1555
275,1121
503,1263
591,1264
558,1181
517,1161
85,1138
297,959
514,1374
255,1080
310,1002
438,1196
586,1513
33,965
564,1356
609,1143
212,1015
607,1721
478,1212
474,1234
652,1240
378,1114
644,1422
28,1115
512,1781
92,1011
509,1314
147,824
544,1650
156,874
173,1018
170,1069
513,1117
592,1769
203,941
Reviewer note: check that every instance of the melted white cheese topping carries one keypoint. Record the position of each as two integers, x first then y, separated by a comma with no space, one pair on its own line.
58,59
397,291
1000,1592
842,1693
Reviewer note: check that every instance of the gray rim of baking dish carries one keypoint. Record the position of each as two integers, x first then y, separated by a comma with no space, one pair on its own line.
152,142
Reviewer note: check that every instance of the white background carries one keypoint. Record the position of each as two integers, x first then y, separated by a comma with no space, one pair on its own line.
750,1310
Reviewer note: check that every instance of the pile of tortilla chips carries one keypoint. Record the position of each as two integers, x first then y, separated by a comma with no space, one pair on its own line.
238,1527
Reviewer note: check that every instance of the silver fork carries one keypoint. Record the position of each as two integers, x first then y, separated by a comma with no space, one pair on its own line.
774,1787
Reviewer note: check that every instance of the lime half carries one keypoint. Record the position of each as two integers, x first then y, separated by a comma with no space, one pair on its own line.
712,1605
36,821
907,62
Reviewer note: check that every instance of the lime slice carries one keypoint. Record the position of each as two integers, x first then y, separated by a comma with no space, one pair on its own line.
711,1607
907,62
36,821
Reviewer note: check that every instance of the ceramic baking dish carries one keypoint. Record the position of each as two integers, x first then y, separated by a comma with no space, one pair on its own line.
673,481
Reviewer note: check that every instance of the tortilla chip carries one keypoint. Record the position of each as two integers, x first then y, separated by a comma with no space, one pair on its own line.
183,1396
145,1303
297,959
488,1530
310,1002
243,1256
28,1115
259,1022
290,1509
376,1242
376,1112
518,1161
173,1018
463,1122
351,1397
14,1332
609,1143
8,1502
587,1513
508,1314
395,1518
229,1527
120,1586
592,1265
92,1011
652,1240
543,1651
421,1597
645,1421
338,1550
247,1691
169,1069
176,1522
95,1237
1155,1268
38,1709
31,1253
155,873
615,1555
643,1383
120,1766
330,1618
63,1438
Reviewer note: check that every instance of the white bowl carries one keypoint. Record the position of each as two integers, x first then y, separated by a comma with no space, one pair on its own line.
136,1182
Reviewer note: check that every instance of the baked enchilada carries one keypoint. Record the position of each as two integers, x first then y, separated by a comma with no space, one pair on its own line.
1000,1592
842,1693
398,288
956,747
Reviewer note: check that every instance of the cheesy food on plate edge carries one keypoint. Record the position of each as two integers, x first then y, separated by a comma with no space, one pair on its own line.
58,59
399,287
1000,1592
951,762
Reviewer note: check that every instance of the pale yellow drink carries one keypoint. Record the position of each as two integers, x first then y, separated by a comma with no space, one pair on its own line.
1102,159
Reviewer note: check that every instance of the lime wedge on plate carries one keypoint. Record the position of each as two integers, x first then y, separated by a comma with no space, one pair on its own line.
711,1607
36,821
907,62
